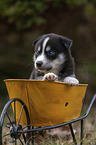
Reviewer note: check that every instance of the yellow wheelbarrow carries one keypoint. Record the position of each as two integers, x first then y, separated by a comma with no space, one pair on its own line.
40,103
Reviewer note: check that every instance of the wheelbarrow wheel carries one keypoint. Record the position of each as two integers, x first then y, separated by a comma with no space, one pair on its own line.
10,126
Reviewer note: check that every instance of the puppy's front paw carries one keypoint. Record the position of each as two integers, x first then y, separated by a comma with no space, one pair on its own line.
50,77
71,81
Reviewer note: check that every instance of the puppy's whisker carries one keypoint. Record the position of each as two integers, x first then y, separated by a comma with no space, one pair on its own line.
30,64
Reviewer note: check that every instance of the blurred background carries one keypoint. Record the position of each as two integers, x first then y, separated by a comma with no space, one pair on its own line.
22,21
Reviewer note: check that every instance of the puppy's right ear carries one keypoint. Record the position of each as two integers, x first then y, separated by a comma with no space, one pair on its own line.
66,42
39,38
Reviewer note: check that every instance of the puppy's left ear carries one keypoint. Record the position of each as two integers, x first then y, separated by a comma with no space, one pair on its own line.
39,38
67,42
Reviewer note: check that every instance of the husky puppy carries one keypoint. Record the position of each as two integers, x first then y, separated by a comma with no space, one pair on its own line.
53,60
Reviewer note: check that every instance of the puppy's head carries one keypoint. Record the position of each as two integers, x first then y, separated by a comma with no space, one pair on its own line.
51,52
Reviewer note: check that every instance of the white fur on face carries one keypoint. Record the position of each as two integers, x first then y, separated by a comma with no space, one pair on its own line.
39,48
47,63
48,48
42,57
44,43
56,64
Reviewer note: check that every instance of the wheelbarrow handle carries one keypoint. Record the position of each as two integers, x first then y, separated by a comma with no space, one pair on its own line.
90,106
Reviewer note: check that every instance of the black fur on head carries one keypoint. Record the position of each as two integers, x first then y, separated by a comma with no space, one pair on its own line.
61,44
65,41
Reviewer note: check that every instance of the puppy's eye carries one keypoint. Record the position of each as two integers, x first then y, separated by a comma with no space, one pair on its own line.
37,53
51,53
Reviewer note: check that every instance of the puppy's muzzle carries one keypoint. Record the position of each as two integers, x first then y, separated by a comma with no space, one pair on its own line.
41,66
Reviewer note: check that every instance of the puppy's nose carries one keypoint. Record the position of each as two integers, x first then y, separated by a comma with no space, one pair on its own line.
39,63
